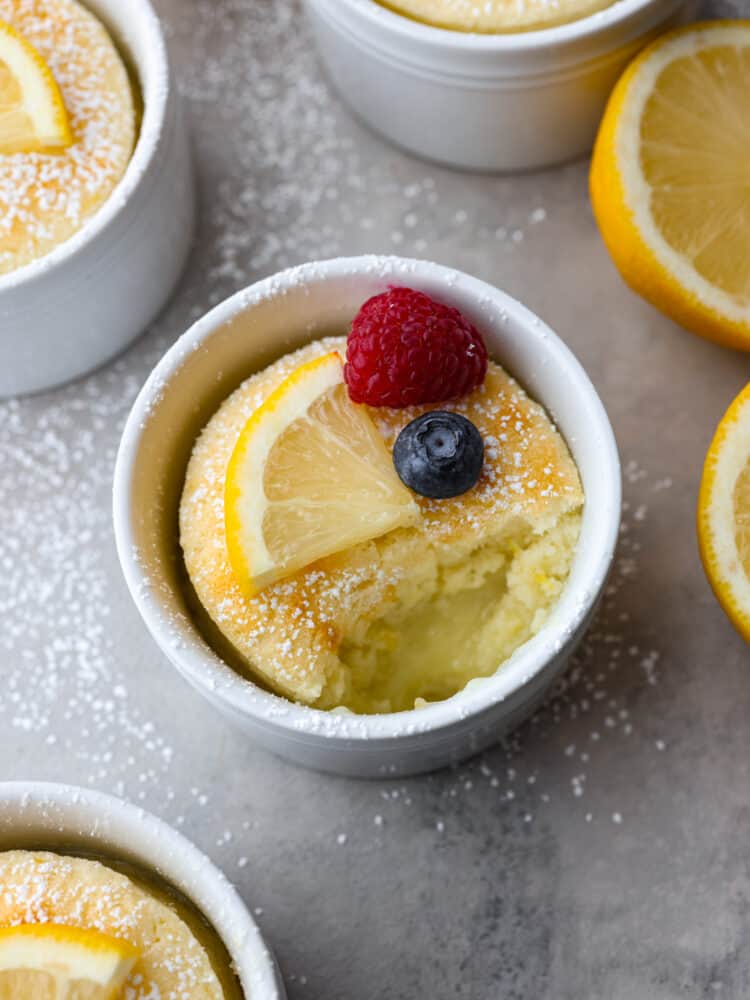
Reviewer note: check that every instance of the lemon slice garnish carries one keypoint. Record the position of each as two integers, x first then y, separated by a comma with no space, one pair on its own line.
670,178
56,962
33,118
309,476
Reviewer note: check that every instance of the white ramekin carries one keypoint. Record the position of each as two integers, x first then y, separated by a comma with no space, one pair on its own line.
83,303
484,102
46,816
241,336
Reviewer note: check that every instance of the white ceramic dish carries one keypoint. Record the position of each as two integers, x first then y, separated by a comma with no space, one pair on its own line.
484,102
82,304
36,815
241,336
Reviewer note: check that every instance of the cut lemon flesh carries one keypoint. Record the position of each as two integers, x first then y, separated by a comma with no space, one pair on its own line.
309,476
55,962
670,178
724,513
33,118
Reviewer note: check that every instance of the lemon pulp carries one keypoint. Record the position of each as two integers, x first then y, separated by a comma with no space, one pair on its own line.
307,466
695,156
310,476
741,504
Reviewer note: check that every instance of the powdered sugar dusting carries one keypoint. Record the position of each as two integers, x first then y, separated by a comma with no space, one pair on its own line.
46,198
44,888
60,685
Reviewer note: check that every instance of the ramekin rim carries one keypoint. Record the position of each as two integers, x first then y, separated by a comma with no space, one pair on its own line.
499,42
249,951
218,681
150,132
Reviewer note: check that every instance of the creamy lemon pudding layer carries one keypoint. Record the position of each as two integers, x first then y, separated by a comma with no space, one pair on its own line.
416,614
45,198
495,16
43,888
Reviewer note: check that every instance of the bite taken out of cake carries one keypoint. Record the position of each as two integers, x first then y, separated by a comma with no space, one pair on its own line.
372,523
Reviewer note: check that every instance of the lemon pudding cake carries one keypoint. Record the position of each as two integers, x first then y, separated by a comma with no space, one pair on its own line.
375,535
72,927
67,124
495,16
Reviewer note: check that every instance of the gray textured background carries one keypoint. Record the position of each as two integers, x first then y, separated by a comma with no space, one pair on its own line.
603,852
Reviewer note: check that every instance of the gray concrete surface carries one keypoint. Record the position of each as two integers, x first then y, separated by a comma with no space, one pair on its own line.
601,853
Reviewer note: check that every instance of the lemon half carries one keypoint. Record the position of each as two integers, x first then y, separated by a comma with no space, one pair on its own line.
670,178
724,513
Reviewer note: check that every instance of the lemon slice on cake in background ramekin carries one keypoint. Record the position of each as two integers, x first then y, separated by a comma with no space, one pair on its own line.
61,962
33,118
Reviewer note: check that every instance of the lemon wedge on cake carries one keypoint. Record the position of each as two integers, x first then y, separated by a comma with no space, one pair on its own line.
670,178
33,118
310,476
57,962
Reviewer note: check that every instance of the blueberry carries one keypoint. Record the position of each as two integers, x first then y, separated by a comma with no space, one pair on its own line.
439,455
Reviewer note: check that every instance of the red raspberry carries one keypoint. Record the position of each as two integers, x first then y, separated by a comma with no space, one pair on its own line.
404,348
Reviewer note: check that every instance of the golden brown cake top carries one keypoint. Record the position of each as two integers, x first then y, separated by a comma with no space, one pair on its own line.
290,633
46,198
41,887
